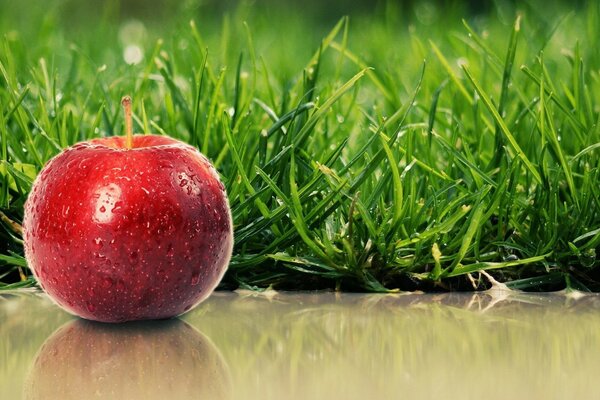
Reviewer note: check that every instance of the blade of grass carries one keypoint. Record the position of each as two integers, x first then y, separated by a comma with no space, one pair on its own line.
508,135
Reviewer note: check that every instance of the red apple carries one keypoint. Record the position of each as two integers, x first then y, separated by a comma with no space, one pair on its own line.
120,229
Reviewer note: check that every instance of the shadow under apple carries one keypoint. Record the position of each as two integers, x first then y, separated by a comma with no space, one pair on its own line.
143,360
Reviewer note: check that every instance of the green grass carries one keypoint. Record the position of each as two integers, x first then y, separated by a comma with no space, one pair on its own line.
393,149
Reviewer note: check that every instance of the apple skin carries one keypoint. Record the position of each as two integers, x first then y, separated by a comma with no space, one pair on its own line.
115,234
148,360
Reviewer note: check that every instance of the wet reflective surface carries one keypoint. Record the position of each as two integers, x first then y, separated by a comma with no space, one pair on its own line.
310,345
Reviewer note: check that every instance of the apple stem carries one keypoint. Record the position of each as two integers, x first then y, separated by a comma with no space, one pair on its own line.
126,103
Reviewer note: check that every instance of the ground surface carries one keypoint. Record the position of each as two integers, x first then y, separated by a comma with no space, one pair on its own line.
318,346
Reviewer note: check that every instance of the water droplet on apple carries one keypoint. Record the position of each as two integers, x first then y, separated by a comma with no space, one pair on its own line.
98,242
102,209
91,308
107,283
165,164
217,215
195,278
118,205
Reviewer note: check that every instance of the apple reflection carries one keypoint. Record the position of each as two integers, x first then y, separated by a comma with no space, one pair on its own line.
142,360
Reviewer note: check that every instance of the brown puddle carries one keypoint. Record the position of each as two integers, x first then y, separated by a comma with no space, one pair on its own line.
311,346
